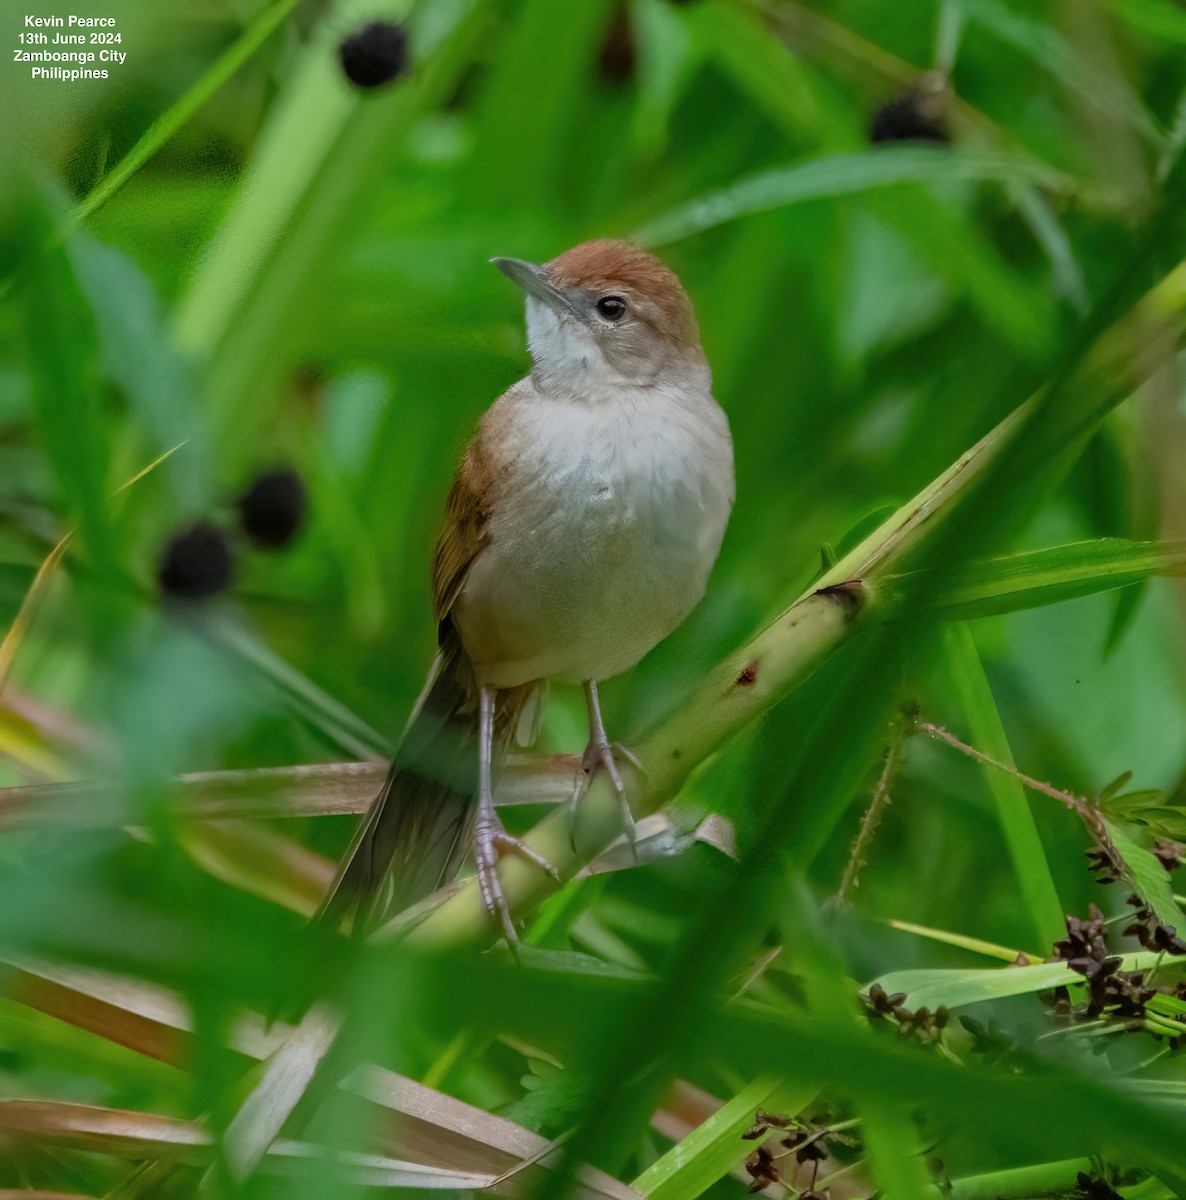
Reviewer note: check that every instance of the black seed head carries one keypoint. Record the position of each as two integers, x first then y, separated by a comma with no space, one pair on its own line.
763,1169
1165,938
273,508
197,563
1169,853
615,61
913,117
374,55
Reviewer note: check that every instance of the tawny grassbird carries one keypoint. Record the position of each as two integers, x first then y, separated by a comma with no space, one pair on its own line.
580,530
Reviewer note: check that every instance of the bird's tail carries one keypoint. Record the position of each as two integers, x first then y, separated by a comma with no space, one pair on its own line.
419,827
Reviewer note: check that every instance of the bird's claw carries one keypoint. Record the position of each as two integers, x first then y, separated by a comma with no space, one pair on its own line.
491,842
605,754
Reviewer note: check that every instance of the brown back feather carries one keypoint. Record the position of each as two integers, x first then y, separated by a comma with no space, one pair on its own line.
418,829
463,530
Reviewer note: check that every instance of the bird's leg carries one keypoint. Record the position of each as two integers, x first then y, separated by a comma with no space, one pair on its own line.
602,752
490,838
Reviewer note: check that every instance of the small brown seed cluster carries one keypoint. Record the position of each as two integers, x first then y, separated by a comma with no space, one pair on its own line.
1090,1188
922,1024
1123,995
1106,866
915,116
1169,853
1150,933
808,1144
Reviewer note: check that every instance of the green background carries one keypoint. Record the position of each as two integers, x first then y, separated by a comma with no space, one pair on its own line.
297,273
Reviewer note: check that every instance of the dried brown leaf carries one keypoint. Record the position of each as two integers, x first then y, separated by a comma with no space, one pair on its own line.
137,1135
425,1126
319,790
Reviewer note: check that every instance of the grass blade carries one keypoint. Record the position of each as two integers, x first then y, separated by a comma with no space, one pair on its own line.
1034,880
1037,577
174,117
840,175
976,985
715,1147
895,1155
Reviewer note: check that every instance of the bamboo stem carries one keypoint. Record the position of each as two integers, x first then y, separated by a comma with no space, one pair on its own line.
783,655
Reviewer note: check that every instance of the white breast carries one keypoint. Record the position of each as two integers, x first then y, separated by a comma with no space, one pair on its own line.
604,537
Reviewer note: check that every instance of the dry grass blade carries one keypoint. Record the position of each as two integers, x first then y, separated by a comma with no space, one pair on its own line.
150,1020
16,631
21,1194
428,1127
658,836
319,790
289,1072
137,1135
256,860
114,1131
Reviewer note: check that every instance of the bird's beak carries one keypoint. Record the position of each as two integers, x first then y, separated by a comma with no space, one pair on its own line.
533,279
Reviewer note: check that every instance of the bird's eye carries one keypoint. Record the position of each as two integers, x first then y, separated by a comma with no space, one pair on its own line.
612,308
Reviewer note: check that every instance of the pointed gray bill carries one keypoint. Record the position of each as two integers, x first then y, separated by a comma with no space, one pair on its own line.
533,279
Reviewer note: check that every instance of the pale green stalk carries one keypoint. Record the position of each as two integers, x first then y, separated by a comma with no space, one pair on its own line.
754,678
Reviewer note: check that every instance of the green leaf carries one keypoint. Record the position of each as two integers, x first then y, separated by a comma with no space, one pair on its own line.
860,530
1129,804
308,119
895,1153
840,175
133,339
668,56
182,109
1058,54
987,733
319,708
1127,605
971,265
1162,820
1043,1179
1120,781
1160,18
62,350
976,985
1149,878
948,938
715,1147
779,83
1036,578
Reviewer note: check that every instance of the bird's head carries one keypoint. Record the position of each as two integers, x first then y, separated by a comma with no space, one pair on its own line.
607,313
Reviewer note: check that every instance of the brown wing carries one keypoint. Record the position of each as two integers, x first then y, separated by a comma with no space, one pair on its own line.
463,531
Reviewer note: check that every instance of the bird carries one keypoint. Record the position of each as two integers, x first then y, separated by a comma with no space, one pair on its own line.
580,530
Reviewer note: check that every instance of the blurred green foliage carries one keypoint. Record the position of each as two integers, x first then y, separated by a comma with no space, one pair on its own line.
297,274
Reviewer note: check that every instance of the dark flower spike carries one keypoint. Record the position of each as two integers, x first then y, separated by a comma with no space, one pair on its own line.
812,1152
196,563
916,116
273,508
763,1169
778,1120
1095,1189
375,55
1165,938
1169,853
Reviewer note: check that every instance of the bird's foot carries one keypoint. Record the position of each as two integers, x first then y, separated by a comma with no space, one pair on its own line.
491,842
605,754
